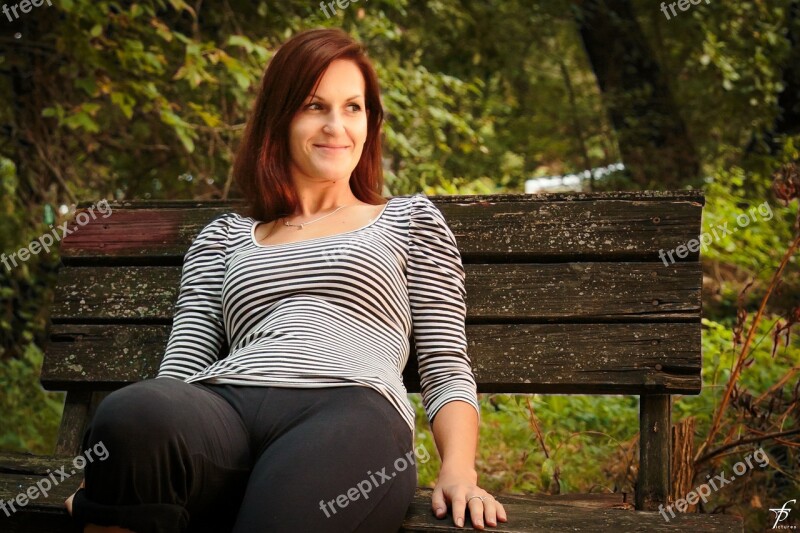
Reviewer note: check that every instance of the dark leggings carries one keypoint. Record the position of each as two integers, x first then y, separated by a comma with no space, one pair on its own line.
219,458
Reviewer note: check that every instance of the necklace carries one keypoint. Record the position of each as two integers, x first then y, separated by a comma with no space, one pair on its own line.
300,226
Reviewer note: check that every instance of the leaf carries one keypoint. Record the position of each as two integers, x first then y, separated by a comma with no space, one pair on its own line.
51,112
90,108
182,128
88,85
209,118
186,139
162,29
180,5
124,102
81,120
241,40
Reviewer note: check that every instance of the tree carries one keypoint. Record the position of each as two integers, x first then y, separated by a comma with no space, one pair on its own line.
653,138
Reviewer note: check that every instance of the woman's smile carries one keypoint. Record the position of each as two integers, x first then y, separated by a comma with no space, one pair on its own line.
332,149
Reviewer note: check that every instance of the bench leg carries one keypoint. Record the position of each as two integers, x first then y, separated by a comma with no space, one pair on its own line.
79,408
655,453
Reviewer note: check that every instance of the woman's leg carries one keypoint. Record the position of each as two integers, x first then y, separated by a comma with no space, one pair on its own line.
331,459
177,459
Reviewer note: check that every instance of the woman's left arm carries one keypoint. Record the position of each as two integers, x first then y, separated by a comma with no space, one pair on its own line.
455,429
437,296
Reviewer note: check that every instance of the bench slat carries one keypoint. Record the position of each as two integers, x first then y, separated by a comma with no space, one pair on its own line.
537,512
496,228
523,358
633,292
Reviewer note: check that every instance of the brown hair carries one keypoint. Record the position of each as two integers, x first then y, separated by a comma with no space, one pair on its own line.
262,164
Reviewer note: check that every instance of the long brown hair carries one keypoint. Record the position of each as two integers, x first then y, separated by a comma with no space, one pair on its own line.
262,165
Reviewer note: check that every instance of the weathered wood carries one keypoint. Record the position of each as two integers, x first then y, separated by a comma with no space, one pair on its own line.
73,421
655,427
45,514
79,409
539,512
548,514
30,464
684,195
547,358
497,228
632,292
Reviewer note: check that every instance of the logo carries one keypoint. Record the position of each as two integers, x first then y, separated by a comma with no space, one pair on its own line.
782,514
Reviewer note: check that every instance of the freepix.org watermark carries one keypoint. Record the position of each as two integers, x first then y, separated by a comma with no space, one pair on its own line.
364,487
720,480
46,484
683,5
742,220
47,240
343,4
24,6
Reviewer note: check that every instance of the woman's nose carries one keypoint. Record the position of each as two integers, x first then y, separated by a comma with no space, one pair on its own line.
333,124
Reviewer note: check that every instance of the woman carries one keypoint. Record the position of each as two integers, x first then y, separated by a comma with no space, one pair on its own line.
279,404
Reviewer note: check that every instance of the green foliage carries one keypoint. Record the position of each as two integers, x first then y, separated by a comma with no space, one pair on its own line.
760,227
24,285
719,354
31,415
726,62
580,433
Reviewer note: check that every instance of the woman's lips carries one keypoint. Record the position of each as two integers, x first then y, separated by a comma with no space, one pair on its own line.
331,148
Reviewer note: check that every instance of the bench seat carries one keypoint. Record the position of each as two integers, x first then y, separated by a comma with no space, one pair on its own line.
543,513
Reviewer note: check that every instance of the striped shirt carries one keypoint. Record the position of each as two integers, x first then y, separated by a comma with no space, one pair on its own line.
332,311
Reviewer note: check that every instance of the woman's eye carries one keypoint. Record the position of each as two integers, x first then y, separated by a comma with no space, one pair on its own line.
315,106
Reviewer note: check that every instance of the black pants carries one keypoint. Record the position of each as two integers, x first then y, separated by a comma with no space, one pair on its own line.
218,458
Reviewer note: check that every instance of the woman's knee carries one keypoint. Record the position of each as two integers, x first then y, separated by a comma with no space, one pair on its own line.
137,414
132,412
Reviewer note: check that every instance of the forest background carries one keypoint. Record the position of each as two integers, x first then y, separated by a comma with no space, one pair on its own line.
147,100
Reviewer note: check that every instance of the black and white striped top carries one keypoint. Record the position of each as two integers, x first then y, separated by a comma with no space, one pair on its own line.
327,312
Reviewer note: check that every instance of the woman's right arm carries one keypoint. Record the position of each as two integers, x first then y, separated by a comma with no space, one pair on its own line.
198,330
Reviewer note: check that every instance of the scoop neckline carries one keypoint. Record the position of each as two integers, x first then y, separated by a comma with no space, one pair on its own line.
257,222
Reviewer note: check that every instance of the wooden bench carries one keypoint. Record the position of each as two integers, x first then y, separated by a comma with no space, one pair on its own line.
566,294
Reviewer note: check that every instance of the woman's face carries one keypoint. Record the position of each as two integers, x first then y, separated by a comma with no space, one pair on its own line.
327,135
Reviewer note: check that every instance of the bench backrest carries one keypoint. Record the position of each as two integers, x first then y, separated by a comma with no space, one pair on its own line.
566,293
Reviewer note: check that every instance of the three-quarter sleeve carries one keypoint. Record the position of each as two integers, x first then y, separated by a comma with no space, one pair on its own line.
437,294
198,330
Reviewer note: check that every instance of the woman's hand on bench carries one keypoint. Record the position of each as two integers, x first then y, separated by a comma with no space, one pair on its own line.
460,489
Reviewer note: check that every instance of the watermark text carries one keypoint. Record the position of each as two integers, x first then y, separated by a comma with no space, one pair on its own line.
720,480
45,241
46,484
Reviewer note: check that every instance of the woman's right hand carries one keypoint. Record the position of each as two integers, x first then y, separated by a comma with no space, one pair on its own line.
68,501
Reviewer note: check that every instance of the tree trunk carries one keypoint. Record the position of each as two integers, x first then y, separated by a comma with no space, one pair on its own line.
653,139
